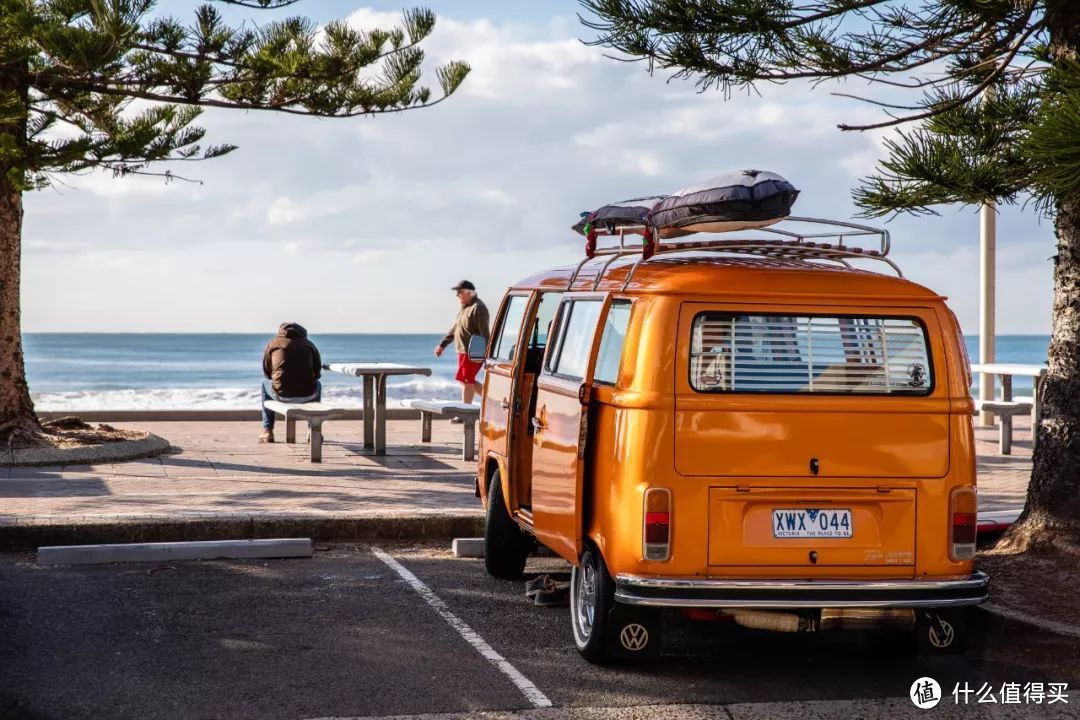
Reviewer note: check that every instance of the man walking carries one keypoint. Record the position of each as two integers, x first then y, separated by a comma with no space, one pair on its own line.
472,319
291,368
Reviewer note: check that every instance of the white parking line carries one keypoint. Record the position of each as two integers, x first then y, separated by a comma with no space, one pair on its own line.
530,691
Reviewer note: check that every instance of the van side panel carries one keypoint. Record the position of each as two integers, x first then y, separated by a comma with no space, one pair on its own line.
932,538
616,484
632,443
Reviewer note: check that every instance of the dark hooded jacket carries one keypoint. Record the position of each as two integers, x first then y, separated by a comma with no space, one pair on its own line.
292,362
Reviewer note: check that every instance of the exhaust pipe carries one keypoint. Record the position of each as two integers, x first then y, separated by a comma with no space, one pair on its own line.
766,620
867,619
858,619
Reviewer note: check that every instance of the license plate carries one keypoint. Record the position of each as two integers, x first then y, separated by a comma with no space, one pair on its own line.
811,523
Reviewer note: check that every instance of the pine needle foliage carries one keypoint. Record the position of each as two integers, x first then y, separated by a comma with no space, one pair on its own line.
119,84
987,91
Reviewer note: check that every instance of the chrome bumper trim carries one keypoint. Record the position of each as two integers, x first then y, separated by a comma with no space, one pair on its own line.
705,593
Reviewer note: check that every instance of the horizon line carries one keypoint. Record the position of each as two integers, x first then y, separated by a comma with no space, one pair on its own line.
261,332
213,332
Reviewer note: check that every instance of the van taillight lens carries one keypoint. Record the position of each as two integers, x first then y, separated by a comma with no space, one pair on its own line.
657,531
964,524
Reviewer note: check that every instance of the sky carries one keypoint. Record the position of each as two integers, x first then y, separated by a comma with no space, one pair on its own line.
363,225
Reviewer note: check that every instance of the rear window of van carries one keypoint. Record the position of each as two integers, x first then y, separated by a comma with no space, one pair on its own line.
838,355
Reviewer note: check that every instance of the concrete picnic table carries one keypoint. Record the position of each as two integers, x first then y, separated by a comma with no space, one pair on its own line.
374,375
1006,371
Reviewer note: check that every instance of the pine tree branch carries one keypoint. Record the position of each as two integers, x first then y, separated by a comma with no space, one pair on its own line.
120,170
346,71
832,13
957,102
259,4
732,42
283,107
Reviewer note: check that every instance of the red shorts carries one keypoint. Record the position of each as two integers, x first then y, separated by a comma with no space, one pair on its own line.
466,369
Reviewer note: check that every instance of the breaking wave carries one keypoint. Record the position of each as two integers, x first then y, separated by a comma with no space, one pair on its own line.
229,398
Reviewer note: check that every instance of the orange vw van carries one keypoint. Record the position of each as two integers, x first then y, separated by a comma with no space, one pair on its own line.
760,430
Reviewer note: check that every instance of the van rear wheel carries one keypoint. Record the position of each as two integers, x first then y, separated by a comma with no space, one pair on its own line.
506,545
592,596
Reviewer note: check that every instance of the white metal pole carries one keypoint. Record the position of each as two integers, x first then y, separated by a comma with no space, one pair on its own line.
987,304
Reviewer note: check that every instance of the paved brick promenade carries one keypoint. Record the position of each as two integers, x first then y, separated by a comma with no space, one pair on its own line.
221,471
1003,479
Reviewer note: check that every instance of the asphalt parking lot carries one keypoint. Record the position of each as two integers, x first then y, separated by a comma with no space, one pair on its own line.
344,635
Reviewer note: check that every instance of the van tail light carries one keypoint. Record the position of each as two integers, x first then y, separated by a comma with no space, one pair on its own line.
963,524
657,535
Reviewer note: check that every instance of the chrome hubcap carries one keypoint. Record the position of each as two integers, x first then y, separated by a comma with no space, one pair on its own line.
585,596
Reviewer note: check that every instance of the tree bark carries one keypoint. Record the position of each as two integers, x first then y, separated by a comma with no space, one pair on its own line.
17,419
1053,500
1052,510
18,423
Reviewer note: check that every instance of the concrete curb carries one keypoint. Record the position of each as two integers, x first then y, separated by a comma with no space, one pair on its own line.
195,415
37,532
168,551
1050,626
119,451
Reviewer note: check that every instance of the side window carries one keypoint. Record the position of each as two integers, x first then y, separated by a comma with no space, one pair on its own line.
545,316
611,342
509,332
577,327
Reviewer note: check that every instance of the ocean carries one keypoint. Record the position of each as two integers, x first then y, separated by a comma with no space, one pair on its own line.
138,371
141,371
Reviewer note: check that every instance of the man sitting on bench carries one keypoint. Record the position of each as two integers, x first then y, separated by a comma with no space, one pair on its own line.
291,368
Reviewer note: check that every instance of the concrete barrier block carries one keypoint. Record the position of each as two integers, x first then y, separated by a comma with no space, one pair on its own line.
468,547
163,551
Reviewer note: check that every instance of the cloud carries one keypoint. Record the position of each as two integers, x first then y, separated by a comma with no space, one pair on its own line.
486,183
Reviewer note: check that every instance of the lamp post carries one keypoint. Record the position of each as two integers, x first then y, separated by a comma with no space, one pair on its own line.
987,305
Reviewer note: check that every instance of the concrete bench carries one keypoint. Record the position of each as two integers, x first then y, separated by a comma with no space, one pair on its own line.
469,414
1005,410
314,412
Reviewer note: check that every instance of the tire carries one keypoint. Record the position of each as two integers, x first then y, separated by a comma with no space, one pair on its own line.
592,596
506,545
942,631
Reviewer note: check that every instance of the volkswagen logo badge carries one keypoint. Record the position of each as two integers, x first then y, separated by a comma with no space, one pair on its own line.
634,637
943,635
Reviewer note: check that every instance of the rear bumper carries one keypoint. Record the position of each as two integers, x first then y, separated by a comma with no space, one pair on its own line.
702,593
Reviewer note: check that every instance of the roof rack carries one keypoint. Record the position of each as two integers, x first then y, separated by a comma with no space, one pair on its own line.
828,245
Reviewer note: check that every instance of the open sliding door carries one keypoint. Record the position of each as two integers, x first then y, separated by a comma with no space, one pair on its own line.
560,424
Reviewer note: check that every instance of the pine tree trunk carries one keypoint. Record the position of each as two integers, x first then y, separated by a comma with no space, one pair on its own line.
1052,511
1053,500
18,423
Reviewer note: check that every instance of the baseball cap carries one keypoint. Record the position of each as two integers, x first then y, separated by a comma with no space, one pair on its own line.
464,285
